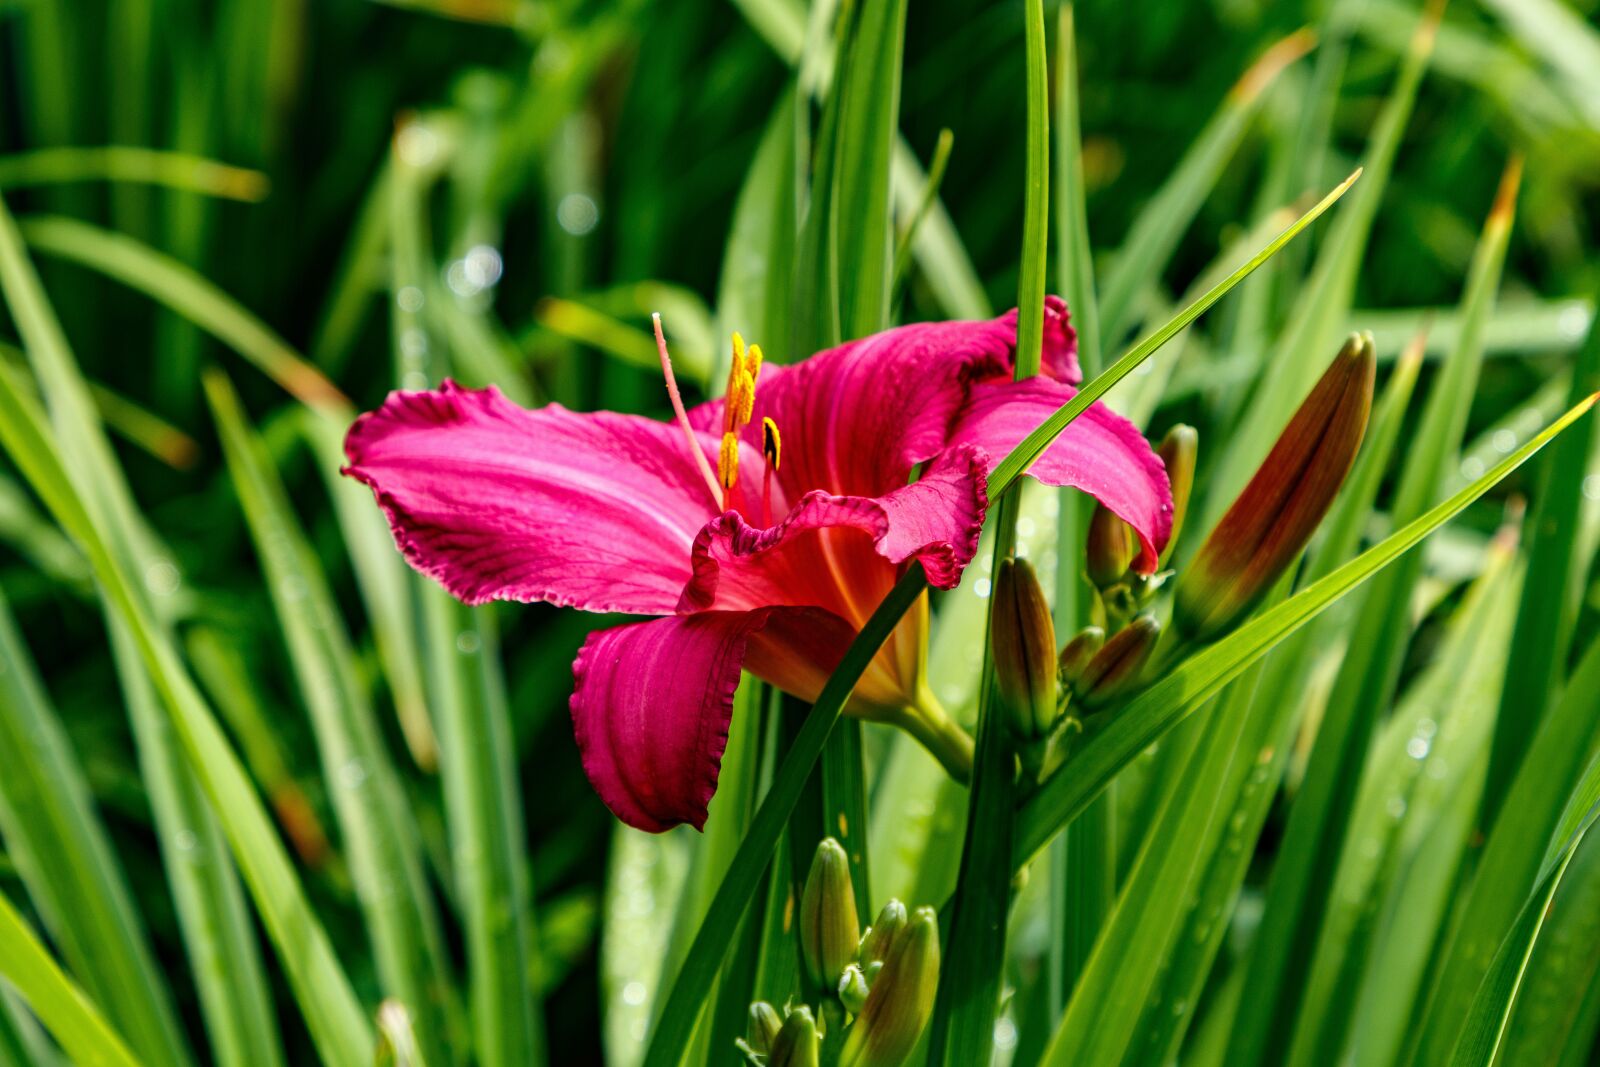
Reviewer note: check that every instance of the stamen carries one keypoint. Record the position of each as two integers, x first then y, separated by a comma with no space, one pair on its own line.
753,363
683,416
741,400
740,396
728,466
771,443
771,451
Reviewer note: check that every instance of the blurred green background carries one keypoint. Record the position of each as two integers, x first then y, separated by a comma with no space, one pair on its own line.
506,188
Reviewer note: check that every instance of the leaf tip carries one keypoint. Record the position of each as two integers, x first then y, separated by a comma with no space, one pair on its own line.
1505,197
1265,70
1416,349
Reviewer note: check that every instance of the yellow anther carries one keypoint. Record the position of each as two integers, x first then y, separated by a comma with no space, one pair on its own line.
728,461
742,401
771,443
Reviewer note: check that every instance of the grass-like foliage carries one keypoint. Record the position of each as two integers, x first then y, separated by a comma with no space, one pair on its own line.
1310,782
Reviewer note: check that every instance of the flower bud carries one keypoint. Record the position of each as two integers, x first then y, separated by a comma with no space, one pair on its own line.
1023,640
830,933
853,989
763,1027
879,938
397,1042
1273,518
1177,452
890,1022
796,1043
1079,651
1115,669
1111,547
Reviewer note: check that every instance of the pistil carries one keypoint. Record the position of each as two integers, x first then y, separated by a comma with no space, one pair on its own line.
739,404
683,417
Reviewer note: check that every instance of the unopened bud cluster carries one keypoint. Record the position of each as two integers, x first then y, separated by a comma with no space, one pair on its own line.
875,986
1041,690
1112,547
789,1040
1251,548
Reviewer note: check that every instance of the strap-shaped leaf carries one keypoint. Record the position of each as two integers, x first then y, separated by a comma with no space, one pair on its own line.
1164,704
70,1016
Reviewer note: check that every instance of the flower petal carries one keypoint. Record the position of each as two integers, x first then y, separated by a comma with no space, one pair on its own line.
799,649
1101,453
501,503
857,418
843,553
650,712
652,700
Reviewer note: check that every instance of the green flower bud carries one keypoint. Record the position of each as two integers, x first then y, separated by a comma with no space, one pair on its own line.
1079,651
1115,669
890,1022
1177,452
1023,641
796,1043
763,1027
397,1043
878,939
1273,518
1111,548
853,989
830,933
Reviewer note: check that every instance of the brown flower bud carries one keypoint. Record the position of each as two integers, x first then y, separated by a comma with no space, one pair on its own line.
1177,451
1023,639
1111,548
1079,651
1273,518
1115,669
879,938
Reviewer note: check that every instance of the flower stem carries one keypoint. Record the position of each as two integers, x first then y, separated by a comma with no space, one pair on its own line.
942,736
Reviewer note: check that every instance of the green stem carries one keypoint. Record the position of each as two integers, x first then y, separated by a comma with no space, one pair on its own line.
831,1015
942,736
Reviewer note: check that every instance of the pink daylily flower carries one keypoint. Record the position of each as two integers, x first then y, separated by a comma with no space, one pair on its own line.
613,513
